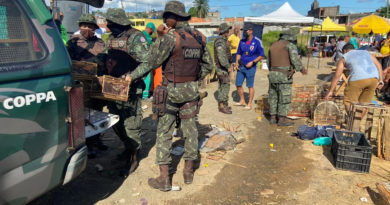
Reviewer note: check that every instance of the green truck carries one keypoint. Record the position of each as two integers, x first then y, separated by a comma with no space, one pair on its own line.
42,115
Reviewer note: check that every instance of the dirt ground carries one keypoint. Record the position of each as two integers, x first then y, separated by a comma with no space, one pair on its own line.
295,172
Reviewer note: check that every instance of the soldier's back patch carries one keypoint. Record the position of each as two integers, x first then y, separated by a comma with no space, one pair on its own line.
191,53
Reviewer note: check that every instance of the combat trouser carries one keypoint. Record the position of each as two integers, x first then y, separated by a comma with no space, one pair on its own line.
128,128
224,87
279,98
166,125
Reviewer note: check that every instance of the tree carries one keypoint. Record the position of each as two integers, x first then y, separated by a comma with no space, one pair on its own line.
382,11
193,12
201,8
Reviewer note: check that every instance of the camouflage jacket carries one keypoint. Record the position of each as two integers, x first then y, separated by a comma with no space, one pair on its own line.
220,47
138,48
82,49
159,53
296,64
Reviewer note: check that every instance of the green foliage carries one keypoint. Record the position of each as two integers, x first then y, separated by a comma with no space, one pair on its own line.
201,7
192,12
268,39
141,15
383,11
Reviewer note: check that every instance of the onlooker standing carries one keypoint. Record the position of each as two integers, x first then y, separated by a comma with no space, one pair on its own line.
234,40
377,41
385,51
250,52
355,41
148,32
366,76
339,47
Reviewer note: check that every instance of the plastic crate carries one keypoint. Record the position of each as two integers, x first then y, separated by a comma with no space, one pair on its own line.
351,151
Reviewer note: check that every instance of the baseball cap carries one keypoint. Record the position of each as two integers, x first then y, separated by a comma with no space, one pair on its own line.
152,26
247,27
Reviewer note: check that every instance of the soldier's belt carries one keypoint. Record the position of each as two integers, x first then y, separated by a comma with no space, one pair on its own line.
288,73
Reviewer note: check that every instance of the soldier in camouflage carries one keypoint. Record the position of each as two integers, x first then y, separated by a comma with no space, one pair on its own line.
283,61
185,59
87,47
223,60
126,48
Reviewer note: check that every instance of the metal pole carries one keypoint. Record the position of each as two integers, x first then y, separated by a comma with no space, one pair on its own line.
319,59
311,35
387,11
122,4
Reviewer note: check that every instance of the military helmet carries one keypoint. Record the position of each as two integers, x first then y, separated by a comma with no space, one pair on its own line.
223,28
176,8
289,35
117,16
87,18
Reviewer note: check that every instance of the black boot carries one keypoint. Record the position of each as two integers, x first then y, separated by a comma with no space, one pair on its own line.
272,120
188,171
283,122
163,182
227,105
222,108
134,161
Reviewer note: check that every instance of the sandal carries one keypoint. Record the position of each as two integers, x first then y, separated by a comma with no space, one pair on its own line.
239,104
248,108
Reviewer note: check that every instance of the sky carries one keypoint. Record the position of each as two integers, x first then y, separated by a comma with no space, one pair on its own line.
240,8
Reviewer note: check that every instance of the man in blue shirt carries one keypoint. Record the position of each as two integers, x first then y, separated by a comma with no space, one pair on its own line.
250,52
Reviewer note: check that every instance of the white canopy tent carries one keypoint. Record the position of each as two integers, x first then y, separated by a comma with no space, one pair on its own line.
282,16
285,16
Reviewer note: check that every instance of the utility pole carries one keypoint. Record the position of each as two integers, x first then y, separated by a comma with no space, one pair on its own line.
387,11
122,4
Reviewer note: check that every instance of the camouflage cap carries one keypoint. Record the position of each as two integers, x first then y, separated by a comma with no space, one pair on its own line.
223,28
87,18
176,8
289,35
117,16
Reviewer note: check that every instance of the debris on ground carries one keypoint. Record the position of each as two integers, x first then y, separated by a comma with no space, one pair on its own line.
219,142
267,192
176,188
363,199
222,138
217,155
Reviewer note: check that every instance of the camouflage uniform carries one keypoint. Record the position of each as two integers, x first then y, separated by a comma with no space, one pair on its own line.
134,43
280,86
86,49
178,95
91,50
223,59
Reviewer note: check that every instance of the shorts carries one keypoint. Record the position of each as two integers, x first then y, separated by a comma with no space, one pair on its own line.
248,74
234,57
360,91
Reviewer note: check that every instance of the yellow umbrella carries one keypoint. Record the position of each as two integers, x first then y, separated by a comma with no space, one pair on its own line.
373,23
327,25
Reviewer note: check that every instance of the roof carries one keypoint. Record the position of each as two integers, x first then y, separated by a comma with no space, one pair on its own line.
327,25
284,15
